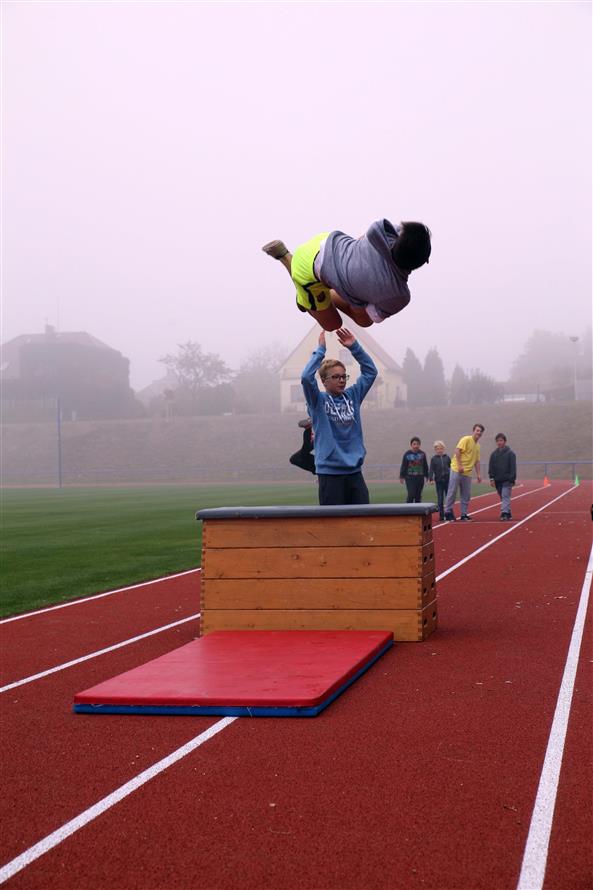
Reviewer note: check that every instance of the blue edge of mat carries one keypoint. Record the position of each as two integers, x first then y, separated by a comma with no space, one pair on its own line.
228,711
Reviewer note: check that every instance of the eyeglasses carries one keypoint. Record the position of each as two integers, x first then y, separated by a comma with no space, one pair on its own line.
339,376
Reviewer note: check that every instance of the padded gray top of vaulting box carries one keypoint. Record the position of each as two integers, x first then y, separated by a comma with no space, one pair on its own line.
312,512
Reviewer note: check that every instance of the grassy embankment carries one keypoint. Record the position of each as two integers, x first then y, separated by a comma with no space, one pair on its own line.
252,448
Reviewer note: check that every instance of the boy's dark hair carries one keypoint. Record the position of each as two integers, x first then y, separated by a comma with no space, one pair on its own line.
415,439
479,426
500,436
412,248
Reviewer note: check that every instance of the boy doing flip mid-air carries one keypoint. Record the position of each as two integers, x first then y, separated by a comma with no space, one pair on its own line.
366,278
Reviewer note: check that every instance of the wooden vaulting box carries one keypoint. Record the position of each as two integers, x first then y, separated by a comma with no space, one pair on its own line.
367,567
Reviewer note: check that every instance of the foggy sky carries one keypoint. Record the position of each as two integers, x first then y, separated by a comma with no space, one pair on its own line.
150,149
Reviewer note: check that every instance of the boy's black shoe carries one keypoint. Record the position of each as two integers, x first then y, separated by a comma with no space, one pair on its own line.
275,249
466,518
505,517
450,517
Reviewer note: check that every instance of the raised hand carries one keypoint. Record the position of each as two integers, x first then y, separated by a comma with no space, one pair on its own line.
321,340
345,337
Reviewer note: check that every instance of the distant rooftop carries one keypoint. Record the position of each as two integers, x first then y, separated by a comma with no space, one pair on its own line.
10,361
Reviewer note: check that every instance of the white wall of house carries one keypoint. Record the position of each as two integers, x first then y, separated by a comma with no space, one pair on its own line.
385,392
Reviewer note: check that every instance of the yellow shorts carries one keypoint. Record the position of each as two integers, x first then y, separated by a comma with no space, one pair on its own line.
311,293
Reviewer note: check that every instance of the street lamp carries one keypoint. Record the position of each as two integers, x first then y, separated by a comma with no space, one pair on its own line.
575,340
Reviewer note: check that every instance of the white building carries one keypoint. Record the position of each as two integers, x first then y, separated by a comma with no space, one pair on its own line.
387,391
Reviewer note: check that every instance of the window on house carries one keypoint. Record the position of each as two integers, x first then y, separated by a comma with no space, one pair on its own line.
296,393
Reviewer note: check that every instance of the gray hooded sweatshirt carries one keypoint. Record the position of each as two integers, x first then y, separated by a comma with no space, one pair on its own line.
362,270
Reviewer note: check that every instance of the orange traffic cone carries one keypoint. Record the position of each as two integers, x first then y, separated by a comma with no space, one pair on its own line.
546,480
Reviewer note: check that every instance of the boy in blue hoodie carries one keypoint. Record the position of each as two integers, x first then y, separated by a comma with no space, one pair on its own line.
339,446
366,278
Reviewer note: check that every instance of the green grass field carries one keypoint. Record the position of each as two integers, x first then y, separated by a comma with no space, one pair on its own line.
63,544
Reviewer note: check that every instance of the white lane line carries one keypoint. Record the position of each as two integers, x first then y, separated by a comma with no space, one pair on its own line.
67,664
496,503
508,531
444,574
535,857
96,596
56,837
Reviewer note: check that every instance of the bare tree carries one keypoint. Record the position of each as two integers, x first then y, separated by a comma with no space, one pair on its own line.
195,369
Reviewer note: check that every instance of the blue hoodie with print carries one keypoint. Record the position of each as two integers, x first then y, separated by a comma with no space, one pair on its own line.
339,446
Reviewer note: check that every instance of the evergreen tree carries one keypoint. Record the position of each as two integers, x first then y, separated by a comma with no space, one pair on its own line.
413,378
482,388
434,385
459,387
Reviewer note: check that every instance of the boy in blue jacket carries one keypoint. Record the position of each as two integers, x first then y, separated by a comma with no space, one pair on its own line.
339,446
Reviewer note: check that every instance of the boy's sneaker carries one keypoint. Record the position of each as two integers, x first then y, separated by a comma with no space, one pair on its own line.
450,517
466,518
275,249
306,423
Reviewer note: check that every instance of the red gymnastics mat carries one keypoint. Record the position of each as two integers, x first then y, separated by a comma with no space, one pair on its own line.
253,673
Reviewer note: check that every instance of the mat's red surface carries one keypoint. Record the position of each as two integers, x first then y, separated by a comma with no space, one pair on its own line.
265,668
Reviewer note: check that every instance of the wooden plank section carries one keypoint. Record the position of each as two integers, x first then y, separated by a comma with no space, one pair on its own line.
347,531
409,625
318,562
318,593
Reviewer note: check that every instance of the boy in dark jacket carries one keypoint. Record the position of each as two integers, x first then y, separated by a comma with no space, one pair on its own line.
502,470
439,473
413,471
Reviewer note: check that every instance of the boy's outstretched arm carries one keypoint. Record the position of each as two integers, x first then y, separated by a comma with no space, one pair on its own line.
368,370
308,380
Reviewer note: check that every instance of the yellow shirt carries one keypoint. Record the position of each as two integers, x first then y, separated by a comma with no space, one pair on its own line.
470,455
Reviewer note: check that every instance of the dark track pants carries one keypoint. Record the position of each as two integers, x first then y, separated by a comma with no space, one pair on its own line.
349,488
441,489
414,484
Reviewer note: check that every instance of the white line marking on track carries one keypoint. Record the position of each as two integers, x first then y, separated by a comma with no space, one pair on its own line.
56,837
61,667
508,531
96,596
495,504
67,664
52,840
535,857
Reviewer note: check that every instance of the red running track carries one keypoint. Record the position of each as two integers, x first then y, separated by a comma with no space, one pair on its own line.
423,774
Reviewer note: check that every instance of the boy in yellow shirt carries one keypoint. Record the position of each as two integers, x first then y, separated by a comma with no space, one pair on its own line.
466,457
